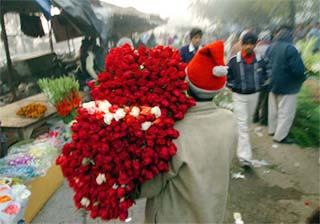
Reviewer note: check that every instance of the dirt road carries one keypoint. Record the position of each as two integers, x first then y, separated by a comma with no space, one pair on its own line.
285,191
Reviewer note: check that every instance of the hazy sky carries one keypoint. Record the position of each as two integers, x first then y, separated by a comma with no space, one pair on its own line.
177,9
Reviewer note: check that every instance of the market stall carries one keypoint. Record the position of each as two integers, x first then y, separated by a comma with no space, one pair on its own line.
22,126
31,164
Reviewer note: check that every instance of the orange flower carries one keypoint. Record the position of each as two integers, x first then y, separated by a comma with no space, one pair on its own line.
32,110
70,102
145,110
64,108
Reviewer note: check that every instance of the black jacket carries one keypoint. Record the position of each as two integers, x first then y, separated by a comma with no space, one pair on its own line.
246,78
284,65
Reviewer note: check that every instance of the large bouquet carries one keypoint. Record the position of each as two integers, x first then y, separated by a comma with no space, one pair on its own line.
153,77
114,150
64,94
124,137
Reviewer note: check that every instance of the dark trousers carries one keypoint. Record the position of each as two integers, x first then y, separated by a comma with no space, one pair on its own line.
261,112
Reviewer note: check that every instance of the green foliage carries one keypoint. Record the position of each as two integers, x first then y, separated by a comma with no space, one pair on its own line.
57,89
253,12
306,127
70,117
311,60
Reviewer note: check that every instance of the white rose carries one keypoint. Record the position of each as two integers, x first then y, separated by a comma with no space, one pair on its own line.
107,118
88,105
156,111
135,111
119,114
104,106
145,125
115,186
85,202
100,179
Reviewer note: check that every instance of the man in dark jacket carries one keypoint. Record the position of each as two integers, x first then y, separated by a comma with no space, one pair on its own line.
287,73
187,52
246,76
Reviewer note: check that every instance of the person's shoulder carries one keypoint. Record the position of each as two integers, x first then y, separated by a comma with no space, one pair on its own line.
233,59
292,47
291,50
184,48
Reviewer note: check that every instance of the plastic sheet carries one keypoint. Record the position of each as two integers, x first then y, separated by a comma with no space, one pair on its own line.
13,200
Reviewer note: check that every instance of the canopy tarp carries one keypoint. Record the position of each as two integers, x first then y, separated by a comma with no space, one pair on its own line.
21,7
91,19
64,29
26,7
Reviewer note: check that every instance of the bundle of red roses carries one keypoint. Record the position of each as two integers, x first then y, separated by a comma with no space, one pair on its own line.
113,150
152,77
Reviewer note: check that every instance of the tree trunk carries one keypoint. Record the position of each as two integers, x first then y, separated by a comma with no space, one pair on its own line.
292,16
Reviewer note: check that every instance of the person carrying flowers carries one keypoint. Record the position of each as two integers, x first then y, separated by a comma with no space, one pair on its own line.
195,188
139,138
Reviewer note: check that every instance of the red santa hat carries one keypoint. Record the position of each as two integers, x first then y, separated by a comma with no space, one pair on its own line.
207,72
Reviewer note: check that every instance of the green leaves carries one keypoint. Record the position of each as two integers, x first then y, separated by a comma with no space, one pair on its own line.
86,161
306,129
311,60
57,89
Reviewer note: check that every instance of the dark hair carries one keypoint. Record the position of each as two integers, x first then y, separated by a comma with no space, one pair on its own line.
249,38
194,32
314,218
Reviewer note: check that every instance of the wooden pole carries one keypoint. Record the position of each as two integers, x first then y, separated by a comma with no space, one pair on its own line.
9,62
50,36
68,39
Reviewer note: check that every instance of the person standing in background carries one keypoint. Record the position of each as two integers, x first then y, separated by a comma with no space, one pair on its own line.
188,51
246,76
237,46
287,72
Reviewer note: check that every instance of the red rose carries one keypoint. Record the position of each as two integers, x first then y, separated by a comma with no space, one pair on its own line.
146,161
123,216
148,175
121,192
136,165
123,179
164,153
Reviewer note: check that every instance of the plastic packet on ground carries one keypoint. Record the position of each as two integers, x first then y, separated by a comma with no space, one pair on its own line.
25,173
